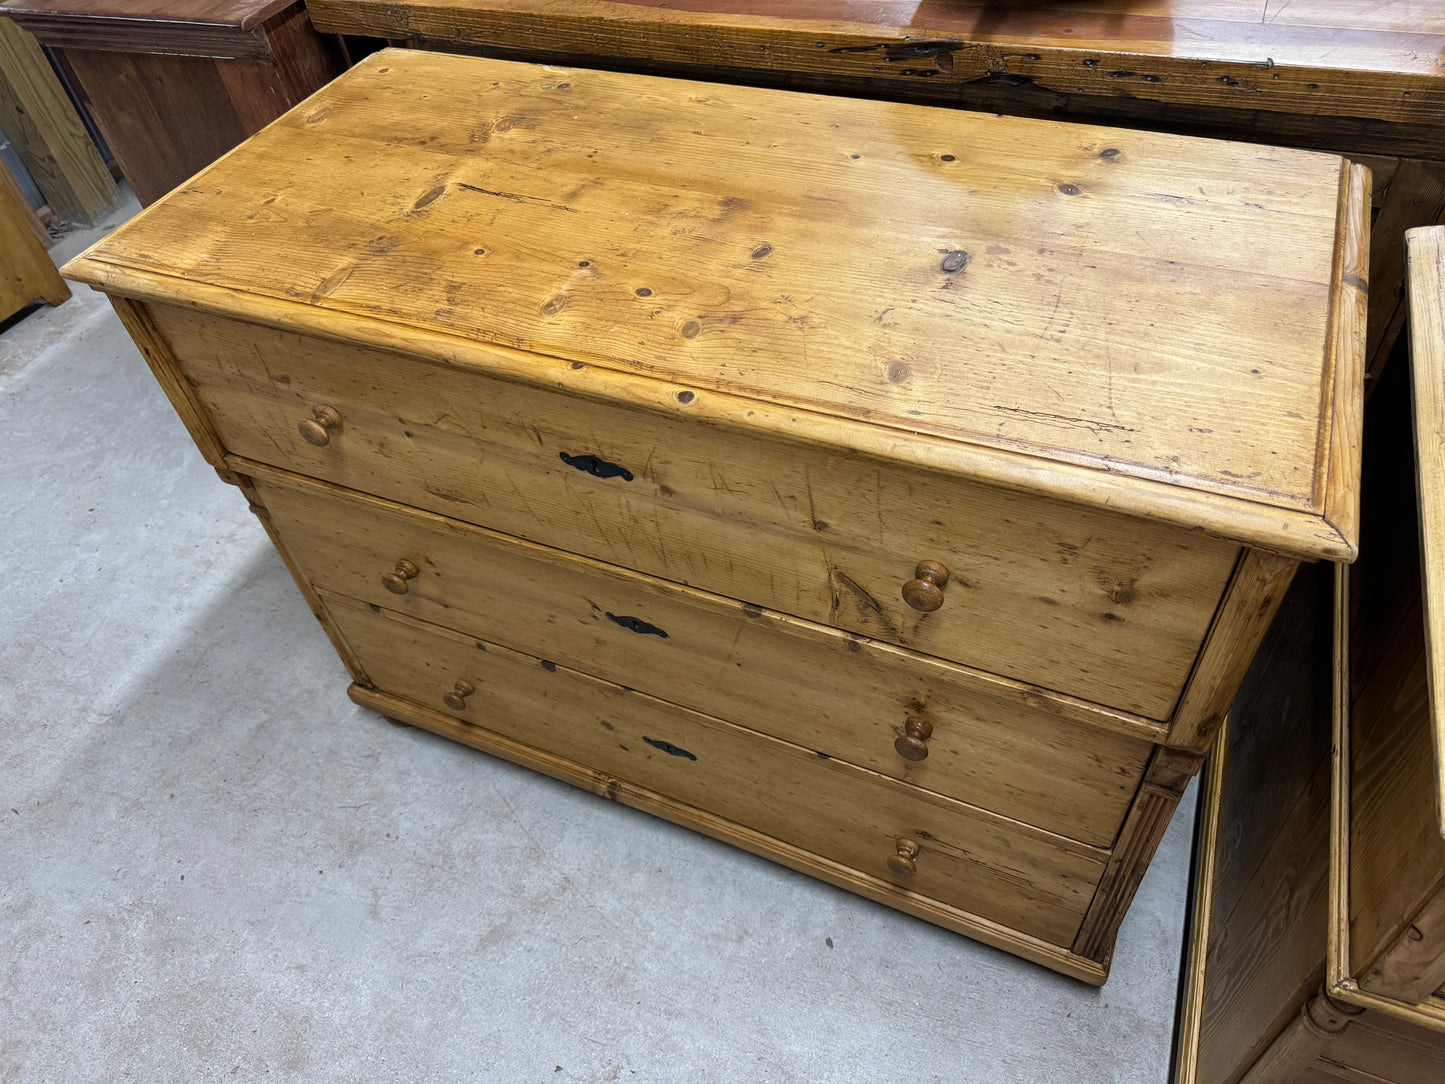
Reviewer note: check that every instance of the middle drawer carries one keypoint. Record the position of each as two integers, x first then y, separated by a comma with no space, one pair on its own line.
1035,756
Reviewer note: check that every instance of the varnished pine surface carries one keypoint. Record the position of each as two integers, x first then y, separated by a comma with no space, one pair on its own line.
26,270
1096,605
1017,750
1427,322
1348,58
1149,307
1037,883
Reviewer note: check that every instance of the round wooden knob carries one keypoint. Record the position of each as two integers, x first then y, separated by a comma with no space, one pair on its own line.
395,582
904,864
457,698
317,428
913,743
926,592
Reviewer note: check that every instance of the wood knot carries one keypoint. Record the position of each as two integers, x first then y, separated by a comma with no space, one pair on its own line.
555,305
642,291
691,330
762,251
1069,189
899,372
953,261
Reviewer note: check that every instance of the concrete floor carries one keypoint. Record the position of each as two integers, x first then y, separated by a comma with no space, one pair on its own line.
213,865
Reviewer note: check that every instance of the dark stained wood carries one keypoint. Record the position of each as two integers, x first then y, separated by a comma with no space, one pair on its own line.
173,92
242,14
164,117
1323,57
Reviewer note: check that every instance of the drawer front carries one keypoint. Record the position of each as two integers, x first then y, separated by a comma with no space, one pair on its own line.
1011,748
1103,607
1028,880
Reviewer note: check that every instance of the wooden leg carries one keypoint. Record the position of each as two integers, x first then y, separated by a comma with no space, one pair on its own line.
1169,773
1302,1042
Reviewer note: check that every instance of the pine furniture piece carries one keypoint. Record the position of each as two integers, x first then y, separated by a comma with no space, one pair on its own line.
26,271
1362,78
819,474
45,129
1319,947
173,86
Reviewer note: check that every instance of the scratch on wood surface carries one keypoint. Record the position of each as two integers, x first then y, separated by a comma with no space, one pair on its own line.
1064,419
516,197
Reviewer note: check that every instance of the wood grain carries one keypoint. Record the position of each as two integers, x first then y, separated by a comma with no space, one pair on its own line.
1018,750
48,133
165,118
1266,904
1342,57
1427,326
1113,610
1255,593
26,270
408,713
1003,871
691,266
1390,1049
242,14
1164,781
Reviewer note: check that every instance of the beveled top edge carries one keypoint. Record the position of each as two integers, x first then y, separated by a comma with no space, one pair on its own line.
1304,535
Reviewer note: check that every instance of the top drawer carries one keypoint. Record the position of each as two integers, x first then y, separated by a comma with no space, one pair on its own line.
1100,606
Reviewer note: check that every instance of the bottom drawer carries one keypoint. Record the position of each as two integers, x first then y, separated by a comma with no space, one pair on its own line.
1009,873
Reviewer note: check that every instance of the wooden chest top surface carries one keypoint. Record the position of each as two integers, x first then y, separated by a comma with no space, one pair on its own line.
1158,311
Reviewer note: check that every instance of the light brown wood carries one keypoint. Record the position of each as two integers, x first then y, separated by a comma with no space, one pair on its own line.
1158,797
1427,327
1088,603
1389,1049
1044,323
26,271
141,327
397,710
1015,749
48,132
1415,196
1261,903
728,476
1255,593
978,862
9,184
1396,855
1188,1042
343,650
1300,1046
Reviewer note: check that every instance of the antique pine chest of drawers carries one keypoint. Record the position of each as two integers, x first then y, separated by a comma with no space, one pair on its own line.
898,493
